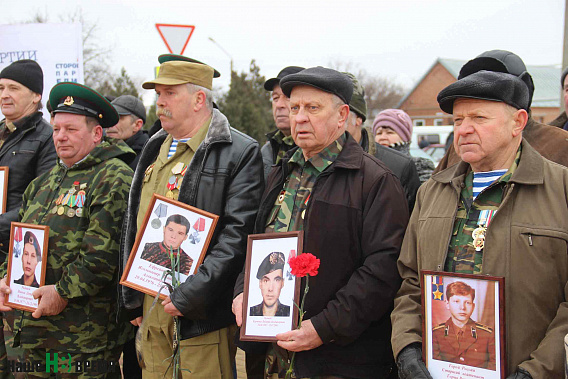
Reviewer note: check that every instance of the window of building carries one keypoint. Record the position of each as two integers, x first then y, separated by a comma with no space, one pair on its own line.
419,122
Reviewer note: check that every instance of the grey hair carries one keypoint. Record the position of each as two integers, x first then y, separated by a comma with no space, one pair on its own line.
193,88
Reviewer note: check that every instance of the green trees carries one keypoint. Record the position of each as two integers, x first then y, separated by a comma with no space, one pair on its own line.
247,104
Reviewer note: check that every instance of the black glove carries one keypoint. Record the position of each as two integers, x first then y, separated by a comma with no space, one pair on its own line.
410,363
520,374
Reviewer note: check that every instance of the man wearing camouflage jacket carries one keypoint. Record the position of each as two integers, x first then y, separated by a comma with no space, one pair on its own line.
82,200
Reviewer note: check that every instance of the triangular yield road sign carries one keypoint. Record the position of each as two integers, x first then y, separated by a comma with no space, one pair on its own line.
175,37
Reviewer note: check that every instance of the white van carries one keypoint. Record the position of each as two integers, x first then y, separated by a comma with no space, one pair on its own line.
433,134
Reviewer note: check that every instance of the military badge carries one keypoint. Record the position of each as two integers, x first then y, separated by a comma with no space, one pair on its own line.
69,101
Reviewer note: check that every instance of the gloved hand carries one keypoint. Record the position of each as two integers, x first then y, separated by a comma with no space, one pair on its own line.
520,374
410,363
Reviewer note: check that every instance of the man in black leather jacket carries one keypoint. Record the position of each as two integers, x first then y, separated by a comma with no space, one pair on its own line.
222,174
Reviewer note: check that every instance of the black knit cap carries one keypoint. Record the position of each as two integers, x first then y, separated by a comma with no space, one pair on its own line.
322,78
270,83
499,61
25,72
486,85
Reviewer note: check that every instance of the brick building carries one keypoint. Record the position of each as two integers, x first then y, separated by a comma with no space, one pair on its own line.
420,102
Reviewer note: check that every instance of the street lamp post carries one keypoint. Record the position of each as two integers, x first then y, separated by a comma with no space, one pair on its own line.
223,50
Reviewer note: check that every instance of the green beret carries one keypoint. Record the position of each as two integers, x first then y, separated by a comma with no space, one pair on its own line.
357,103
273,261
76,98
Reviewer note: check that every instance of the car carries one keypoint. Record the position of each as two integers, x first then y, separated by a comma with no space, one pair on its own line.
435,151
419,153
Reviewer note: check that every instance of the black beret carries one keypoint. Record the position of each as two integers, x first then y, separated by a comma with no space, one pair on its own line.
69,97
273,261
322,78
26,72
499,61
486,85
270,83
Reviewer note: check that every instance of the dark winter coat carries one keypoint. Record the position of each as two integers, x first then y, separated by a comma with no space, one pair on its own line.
225,178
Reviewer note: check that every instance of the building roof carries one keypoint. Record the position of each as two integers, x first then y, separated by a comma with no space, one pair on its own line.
546,81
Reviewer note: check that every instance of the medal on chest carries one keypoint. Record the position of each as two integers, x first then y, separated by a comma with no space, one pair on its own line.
174,182
478,233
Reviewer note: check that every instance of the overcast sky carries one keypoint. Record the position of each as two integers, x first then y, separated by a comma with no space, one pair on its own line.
399,39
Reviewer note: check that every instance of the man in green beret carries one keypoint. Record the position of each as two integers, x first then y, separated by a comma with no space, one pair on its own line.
82,200
198,159
270,277
401,165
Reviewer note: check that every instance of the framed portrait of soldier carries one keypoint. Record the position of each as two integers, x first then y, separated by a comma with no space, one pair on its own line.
270,290
463,332
4,189
172,240
27,259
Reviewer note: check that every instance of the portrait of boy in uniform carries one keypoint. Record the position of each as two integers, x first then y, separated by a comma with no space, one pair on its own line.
463,321
26,264
176,232
171,234
270,277
460,339
270,291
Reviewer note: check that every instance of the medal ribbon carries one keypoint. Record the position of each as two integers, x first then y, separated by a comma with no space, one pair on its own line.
485,217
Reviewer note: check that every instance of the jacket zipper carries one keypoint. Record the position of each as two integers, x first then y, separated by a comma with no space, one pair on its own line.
441,266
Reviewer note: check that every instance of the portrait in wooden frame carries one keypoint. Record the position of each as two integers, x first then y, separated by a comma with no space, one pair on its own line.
463,330
4,190
27,260
172,227
270,289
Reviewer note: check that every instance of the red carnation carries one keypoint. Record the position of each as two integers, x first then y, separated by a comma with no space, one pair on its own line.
304,264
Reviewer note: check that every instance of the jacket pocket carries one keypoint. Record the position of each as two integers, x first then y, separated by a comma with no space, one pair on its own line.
541,244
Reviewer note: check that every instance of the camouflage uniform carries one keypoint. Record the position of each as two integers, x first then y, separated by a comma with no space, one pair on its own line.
82,253
158,253
274,149
288,215
462,256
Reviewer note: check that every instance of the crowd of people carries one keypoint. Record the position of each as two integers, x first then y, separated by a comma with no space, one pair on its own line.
372,214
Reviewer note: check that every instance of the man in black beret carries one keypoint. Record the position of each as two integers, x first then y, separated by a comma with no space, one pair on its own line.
550,142
129,126
270,277
501,208
337,194
82,200
26,147
279,140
